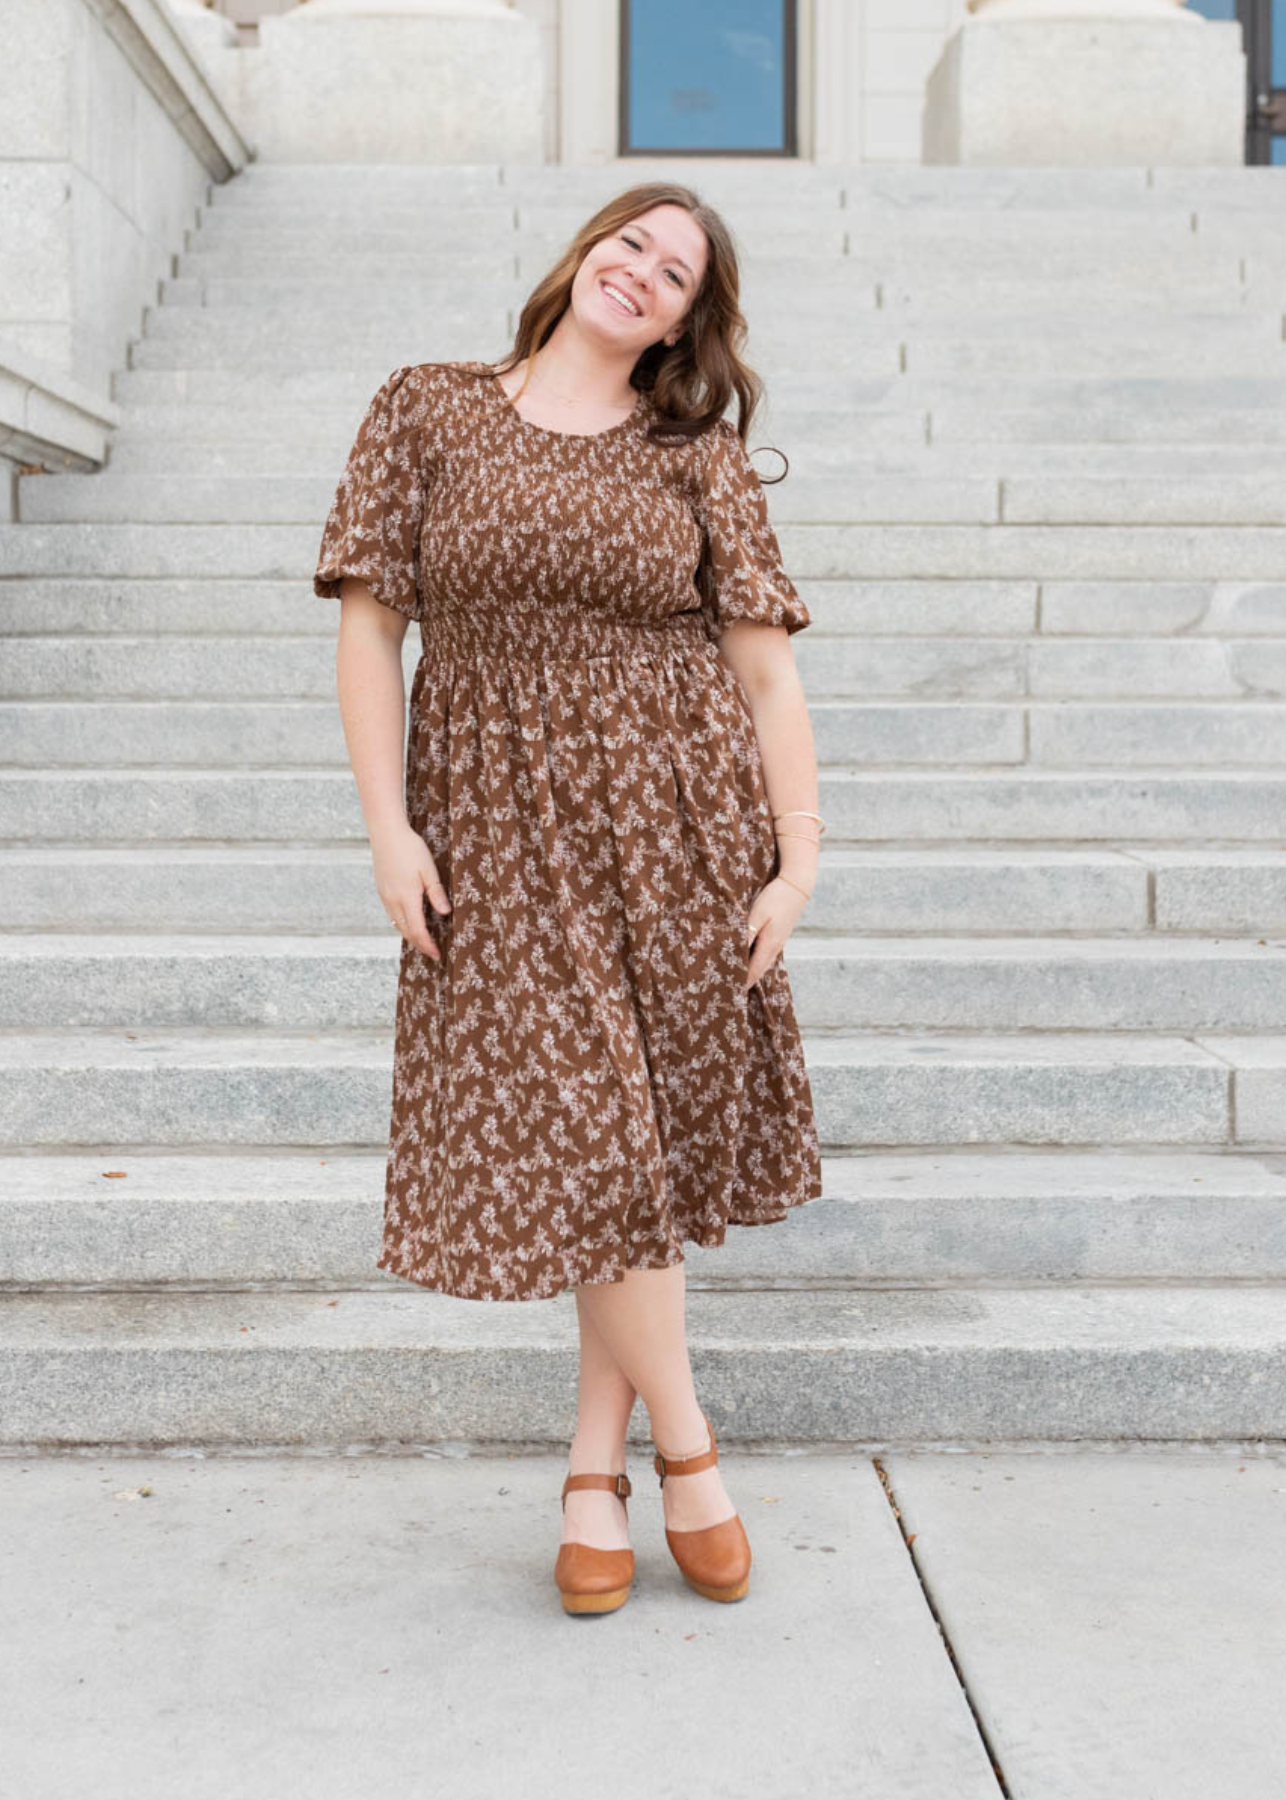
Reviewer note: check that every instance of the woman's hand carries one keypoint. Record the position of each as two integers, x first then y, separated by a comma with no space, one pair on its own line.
774,913
404,872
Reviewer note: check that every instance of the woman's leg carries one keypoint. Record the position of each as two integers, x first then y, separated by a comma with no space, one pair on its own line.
604,1402
641,1325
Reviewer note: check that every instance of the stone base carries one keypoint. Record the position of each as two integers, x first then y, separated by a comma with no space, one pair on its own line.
412,84
1075,91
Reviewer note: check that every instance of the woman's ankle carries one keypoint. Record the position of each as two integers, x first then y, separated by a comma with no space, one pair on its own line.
698,1440
596,1456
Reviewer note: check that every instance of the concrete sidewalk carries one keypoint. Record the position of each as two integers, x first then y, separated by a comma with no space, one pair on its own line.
1049,1624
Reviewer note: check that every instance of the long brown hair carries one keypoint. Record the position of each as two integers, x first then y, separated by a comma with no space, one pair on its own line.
692,380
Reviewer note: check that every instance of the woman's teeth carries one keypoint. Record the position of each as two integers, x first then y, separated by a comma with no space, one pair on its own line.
619,303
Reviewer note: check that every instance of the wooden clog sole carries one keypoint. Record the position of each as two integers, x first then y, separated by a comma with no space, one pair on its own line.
596,1603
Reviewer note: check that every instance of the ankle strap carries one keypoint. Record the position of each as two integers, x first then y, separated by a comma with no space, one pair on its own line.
688,1465
615,1484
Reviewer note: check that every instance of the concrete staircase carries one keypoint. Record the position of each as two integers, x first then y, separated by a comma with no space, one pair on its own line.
1037,507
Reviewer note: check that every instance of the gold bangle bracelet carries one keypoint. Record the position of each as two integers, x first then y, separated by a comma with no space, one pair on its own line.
799,834
806,892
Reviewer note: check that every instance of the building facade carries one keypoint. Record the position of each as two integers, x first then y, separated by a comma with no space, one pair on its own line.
755,77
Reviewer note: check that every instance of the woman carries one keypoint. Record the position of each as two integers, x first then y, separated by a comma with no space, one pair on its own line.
611,808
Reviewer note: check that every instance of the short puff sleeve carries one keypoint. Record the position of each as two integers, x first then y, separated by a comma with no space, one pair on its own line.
372,531
740,574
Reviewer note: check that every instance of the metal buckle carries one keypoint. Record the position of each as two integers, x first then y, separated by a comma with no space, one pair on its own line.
622,1492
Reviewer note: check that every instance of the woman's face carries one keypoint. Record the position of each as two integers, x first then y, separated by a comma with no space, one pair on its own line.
656,260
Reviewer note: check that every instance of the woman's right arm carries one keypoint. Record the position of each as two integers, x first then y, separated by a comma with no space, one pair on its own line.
372,704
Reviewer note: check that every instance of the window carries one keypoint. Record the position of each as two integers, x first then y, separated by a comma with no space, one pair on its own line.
712,77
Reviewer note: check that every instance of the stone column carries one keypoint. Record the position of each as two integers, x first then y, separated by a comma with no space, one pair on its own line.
1066,82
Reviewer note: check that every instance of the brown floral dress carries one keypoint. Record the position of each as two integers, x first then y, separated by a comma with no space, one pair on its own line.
583,1081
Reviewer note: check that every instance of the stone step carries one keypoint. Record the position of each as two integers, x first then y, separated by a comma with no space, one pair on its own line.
881,612
221,440
944,294
969,889
1130,608
348,388
905,194
464,184
1058,425
401,1367
1141,683
809,222
1240,500
1067,552
549,213
1125,670
534,235
1048,1216
811,427
177,1087
814,219
1168,806
831,450
1012,984
810,551
355,316
207,982
866,357
237,499
897,186
182,732
1174,807
256,887
1183,265
802,230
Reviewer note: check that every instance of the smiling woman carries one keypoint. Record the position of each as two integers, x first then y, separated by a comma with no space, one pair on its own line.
597,1057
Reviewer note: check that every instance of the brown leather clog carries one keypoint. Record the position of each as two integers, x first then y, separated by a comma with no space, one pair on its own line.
593,1580
715,1559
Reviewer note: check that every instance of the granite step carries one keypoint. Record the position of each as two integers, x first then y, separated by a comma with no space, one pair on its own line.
350,386
852,496
810,551
177,732
206,981
938,611
828,451
860,357
412,1367
952,1218
182,1087
1175,807
970,889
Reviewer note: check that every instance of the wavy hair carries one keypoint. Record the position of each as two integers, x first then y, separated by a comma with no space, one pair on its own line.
692,380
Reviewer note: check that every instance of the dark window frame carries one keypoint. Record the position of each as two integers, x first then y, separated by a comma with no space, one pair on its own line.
1257,34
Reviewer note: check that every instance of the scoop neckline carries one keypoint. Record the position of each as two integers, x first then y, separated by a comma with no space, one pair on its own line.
583,437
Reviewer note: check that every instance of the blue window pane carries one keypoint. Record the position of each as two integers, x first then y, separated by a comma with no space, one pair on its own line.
1214,9
1278,74
707,77
1279,152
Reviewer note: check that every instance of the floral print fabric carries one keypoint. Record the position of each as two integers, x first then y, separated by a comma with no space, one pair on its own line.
583,1082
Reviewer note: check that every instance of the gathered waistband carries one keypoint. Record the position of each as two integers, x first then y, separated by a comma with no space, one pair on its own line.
557,633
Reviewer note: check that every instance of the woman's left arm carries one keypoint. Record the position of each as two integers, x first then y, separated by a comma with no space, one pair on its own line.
762,659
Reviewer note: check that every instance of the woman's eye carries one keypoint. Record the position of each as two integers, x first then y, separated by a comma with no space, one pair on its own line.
677,279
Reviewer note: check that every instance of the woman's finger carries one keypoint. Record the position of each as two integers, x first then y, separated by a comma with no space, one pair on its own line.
408,916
